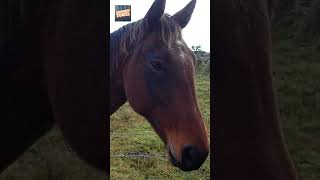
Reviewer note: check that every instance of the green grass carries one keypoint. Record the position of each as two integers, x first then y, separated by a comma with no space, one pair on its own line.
50,158
139,137
297,80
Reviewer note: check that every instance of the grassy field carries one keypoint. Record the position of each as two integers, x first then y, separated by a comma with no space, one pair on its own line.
51,158
138,137
297,79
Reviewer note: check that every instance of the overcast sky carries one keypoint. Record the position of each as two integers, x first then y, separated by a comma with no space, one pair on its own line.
197,32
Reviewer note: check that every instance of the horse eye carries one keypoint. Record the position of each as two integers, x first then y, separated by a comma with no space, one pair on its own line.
157,65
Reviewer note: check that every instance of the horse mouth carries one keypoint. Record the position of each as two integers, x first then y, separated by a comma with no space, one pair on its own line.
188,163
172,157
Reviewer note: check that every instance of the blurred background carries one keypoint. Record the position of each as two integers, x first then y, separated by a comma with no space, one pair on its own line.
296,70
138,152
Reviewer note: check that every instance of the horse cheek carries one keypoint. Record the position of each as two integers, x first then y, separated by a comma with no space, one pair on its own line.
134,88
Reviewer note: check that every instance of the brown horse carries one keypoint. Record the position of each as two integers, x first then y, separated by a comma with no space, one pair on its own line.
153,69
248,141
53,66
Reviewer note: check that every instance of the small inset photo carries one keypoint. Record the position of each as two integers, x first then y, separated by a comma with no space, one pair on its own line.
122,12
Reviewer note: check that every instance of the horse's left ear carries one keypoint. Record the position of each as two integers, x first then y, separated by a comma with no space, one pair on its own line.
184,15
155,13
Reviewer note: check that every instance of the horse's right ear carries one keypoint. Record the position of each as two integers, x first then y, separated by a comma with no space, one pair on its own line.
154,14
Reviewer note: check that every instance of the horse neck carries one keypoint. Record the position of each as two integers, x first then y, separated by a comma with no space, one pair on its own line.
117,91
248,142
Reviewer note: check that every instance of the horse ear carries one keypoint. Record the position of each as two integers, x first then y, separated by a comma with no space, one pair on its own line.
184,15
155,13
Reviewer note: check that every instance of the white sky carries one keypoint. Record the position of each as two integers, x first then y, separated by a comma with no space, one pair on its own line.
197,32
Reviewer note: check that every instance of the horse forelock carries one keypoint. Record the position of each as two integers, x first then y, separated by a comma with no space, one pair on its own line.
127,38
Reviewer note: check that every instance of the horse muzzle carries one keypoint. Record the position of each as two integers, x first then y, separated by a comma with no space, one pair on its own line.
191,158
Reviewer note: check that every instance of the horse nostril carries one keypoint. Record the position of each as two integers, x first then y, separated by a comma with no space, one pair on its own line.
192,158
189,155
